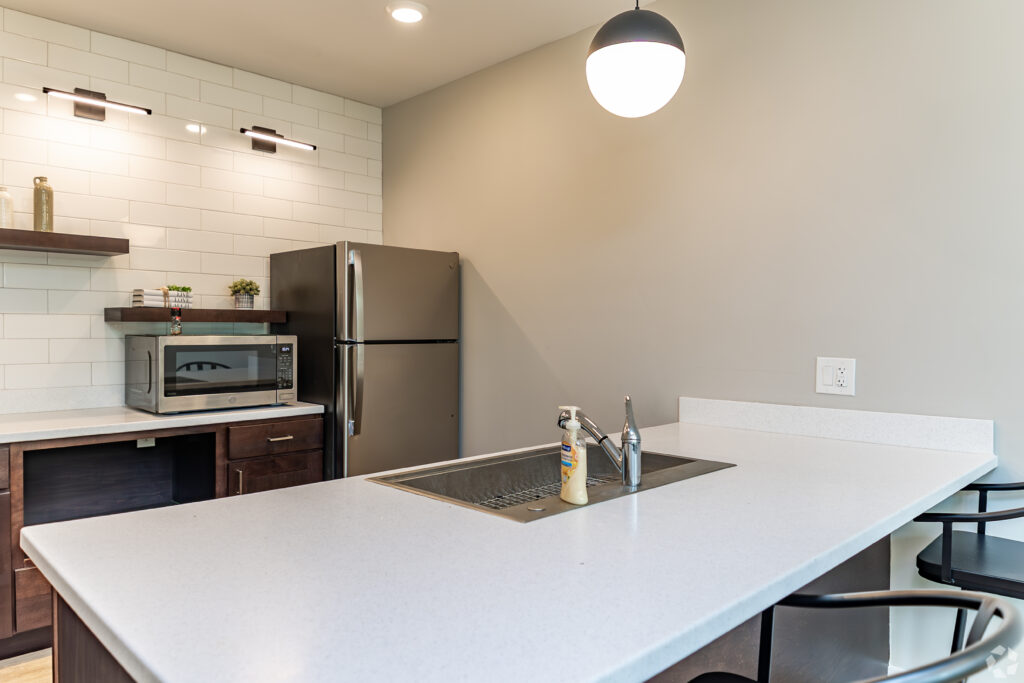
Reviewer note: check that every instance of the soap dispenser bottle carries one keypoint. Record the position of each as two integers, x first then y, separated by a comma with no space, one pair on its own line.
574,461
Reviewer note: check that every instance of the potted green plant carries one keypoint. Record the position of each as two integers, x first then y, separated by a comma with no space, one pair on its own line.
245,292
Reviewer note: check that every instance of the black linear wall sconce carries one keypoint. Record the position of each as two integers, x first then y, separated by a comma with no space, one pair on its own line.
94,105
267,140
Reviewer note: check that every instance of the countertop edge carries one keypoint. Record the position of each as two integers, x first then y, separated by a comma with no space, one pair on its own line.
147,422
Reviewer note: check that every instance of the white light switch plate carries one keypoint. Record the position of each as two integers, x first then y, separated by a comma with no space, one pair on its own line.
836,376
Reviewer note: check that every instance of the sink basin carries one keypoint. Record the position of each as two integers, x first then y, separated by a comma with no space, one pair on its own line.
525,486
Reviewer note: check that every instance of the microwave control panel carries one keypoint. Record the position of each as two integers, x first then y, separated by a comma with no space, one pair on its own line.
285,366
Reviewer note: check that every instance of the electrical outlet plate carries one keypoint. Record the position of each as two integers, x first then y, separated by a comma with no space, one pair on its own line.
836,376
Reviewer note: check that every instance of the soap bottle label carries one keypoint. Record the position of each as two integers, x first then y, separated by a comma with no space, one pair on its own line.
569,461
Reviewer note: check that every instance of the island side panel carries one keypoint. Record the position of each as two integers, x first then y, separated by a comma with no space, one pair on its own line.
78,656
810,646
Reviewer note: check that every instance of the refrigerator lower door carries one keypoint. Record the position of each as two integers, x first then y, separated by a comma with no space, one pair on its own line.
405,410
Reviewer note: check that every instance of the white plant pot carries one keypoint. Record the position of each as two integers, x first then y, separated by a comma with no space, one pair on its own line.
244,300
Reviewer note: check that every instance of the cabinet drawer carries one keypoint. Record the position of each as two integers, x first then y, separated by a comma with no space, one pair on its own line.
269,438
267,474
32,601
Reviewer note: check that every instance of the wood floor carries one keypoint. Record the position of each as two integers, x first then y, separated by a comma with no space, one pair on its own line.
35,667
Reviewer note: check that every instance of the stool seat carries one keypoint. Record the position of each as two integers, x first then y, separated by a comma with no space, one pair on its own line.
979,562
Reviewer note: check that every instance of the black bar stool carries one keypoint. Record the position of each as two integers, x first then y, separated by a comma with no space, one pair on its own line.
974,561
980,652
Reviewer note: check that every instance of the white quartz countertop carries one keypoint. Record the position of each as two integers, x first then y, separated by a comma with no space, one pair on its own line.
349,580
60,424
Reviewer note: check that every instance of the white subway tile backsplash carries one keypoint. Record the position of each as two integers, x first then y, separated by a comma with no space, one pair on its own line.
199,112
221,221
362,183
27,276
22,301
44,29
122,280
128,50
230,97
227,264
342,198
20,47
86,350
35,326
34,76
19,351
340,161
292,230
164,215
198,68
287,189
318,100
199,198
244,80
366,112
293,113
84,62
345,125
198,207
164,81
166,171
121,187
164,259
230,181
200,155
37,376
263,206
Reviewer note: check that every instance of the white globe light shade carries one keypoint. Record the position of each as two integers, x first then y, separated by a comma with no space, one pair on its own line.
635,79
635,63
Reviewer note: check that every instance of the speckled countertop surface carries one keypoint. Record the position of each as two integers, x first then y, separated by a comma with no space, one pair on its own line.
350,580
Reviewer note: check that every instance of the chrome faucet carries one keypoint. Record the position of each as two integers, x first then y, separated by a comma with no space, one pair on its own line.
626,459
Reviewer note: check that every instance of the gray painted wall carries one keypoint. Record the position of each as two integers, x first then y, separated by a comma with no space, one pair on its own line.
833,178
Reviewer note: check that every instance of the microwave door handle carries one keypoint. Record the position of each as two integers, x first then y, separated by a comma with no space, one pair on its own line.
149,372
356,260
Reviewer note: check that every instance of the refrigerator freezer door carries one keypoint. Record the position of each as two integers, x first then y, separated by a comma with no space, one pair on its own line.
397,294
406,411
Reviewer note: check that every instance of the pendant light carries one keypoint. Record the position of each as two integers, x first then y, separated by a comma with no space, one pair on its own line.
636,63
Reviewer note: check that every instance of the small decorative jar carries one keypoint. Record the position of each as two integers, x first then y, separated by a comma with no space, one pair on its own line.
42,205
244,300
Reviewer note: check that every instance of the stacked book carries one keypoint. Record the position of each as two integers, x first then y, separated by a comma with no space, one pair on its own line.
158,298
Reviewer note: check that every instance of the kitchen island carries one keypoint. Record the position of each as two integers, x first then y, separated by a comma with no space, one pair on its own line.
351,580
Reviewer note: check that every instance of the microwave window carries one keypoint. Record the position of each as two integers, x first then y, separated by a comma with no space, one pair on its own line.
196,370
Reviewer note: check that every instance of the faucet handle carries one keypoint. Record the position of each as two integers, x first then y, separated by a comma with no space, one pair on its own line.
630,432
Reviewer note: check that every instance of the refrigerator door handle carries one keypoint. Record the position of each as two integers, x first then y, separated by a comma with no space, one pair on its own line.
355,258
358,353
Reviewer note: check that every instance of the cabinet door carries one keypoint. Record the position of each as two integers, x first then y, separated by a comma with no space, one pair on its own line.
6,574
267,474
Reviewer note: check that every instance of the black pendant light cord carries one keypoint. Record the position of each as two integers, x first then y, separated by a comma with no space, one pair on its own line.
637,4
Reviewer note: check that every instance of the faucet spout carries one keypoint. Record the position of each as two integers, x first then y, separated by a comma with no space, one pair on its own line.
626,459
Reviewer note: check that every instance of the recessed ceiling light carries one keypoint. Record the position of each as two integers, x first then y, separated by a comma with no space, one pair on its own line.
407,12
24,97
195,128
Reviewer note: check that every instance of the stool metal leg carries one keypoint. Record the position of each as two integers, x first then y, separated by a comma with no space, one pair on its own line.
958,631
764,654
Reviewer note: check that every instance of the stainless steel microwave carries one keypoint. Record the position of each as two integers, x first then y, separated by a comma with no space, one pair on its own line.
173,374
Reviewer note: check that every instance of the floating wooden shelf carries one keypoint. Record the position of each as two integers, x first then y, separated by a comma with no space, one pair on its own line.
194,315
30,240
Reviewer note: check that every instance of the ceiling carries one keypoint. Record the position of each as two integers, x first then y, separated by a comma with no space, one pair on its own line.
346,47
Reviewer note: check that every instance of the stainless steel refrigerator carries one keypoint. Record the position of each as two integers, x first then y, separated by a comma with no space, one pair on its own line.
378,346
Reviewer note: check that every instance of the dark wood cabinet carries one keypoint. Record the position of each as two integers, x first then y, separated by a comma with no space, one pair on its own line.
74,477
276,472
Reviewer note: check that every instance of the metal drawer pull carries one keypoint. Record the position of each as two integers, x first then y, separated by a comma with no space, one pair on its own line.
241,481
280,438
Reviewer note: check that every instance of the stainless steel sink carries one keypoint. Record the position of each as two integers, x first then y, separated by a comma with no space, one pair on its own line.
525,486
